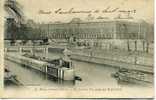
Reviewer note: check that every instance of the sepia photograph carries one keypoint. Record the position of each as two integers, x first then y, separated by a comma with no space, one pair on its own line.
78,46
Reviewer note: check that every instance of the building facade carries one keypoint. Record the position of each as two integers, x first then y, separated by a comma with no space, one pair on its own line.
96,30
104,34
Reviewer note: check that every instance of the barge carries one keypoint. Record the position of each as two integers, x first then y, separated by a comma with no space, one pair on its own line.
57,68
133,76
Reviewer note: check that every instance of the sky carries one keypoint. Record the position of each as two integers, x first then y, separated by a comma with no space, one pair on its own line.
144,9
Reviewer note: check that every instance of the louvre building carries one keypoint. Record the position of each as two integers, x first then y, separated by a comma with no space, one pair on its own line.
100,33
97,30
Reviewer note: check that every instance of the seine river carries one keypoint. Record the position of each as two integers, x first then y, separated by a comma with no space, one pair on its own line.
93,75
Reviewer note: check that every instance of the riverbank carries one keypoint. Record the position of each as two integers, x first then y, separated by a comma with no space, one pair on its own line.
120,59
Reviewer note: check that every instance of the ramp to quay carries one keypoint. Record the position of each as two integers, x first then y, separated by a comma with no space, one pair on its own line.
113,63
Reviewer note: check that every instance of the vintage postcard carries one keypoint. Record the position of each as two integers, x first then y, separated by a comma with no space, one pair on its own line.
77,49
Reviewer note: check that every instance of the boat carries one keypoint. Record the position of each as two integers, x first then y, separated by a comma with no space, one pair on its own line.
133,76
57,68
10,79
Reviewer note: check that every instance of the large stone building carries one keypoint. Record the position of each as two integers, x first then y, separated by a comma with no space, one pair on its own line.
104,34
96,30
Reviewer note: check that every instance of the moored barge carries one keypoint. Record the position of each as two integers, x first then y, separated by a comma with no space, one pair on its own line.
58,68
133,76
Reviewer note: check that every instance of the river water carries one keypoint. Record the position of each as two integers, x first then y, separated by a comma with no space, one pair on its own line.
93,75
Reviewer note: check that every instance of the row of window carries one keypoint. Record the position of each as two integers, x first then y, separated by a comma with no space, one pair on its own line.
84,36
81,30
97,36
129,36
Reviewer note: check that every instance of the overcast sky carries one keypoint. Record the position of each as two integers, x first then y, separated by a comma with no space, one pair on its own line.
31,8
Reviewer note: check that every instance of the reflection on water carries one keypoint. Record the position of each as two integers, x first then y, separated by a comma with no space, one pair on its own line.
93,75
